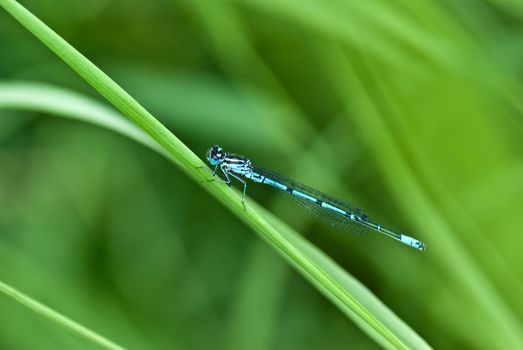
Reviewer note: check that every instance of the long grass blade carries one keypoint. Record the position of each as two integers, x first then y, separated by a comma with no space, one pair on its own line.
188,162
57,317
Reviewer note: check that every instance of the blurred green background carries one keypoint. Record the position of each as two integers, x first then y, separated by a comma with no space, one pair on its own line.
410,110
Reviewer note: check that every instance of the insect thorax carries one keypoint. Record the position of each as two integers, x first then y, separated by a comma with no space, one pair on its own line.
238,165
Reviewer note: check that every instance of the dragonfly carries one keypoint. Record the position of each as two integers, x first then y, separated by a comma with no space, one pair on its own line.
329,209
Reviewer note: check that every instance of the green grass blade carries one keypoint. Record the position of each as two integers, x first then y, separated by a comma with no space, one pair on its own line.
64,103
188,162
55,316
44,98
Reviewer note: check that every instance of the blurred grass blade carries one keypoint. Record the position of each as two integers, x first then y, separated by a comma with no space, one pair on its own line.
45,98
64,103
188,162
57,317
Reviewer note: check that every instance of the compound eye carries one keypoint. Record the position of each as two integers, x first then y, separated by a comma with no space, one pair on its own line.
216,153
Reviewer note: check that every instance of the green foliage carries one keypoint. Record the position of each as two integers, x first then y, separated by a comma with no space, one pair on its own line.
39,97
56,317
411,111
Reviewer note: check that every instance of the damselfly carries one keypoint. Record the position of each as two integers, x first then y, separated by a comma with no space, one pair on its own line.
327,208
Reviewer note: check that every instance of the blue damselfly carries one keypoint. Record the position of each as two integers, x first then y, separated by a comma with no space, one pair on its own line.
327,208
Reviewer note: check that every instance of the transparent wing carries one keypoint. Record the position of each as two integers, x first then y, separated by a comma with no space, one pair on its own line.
327,216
